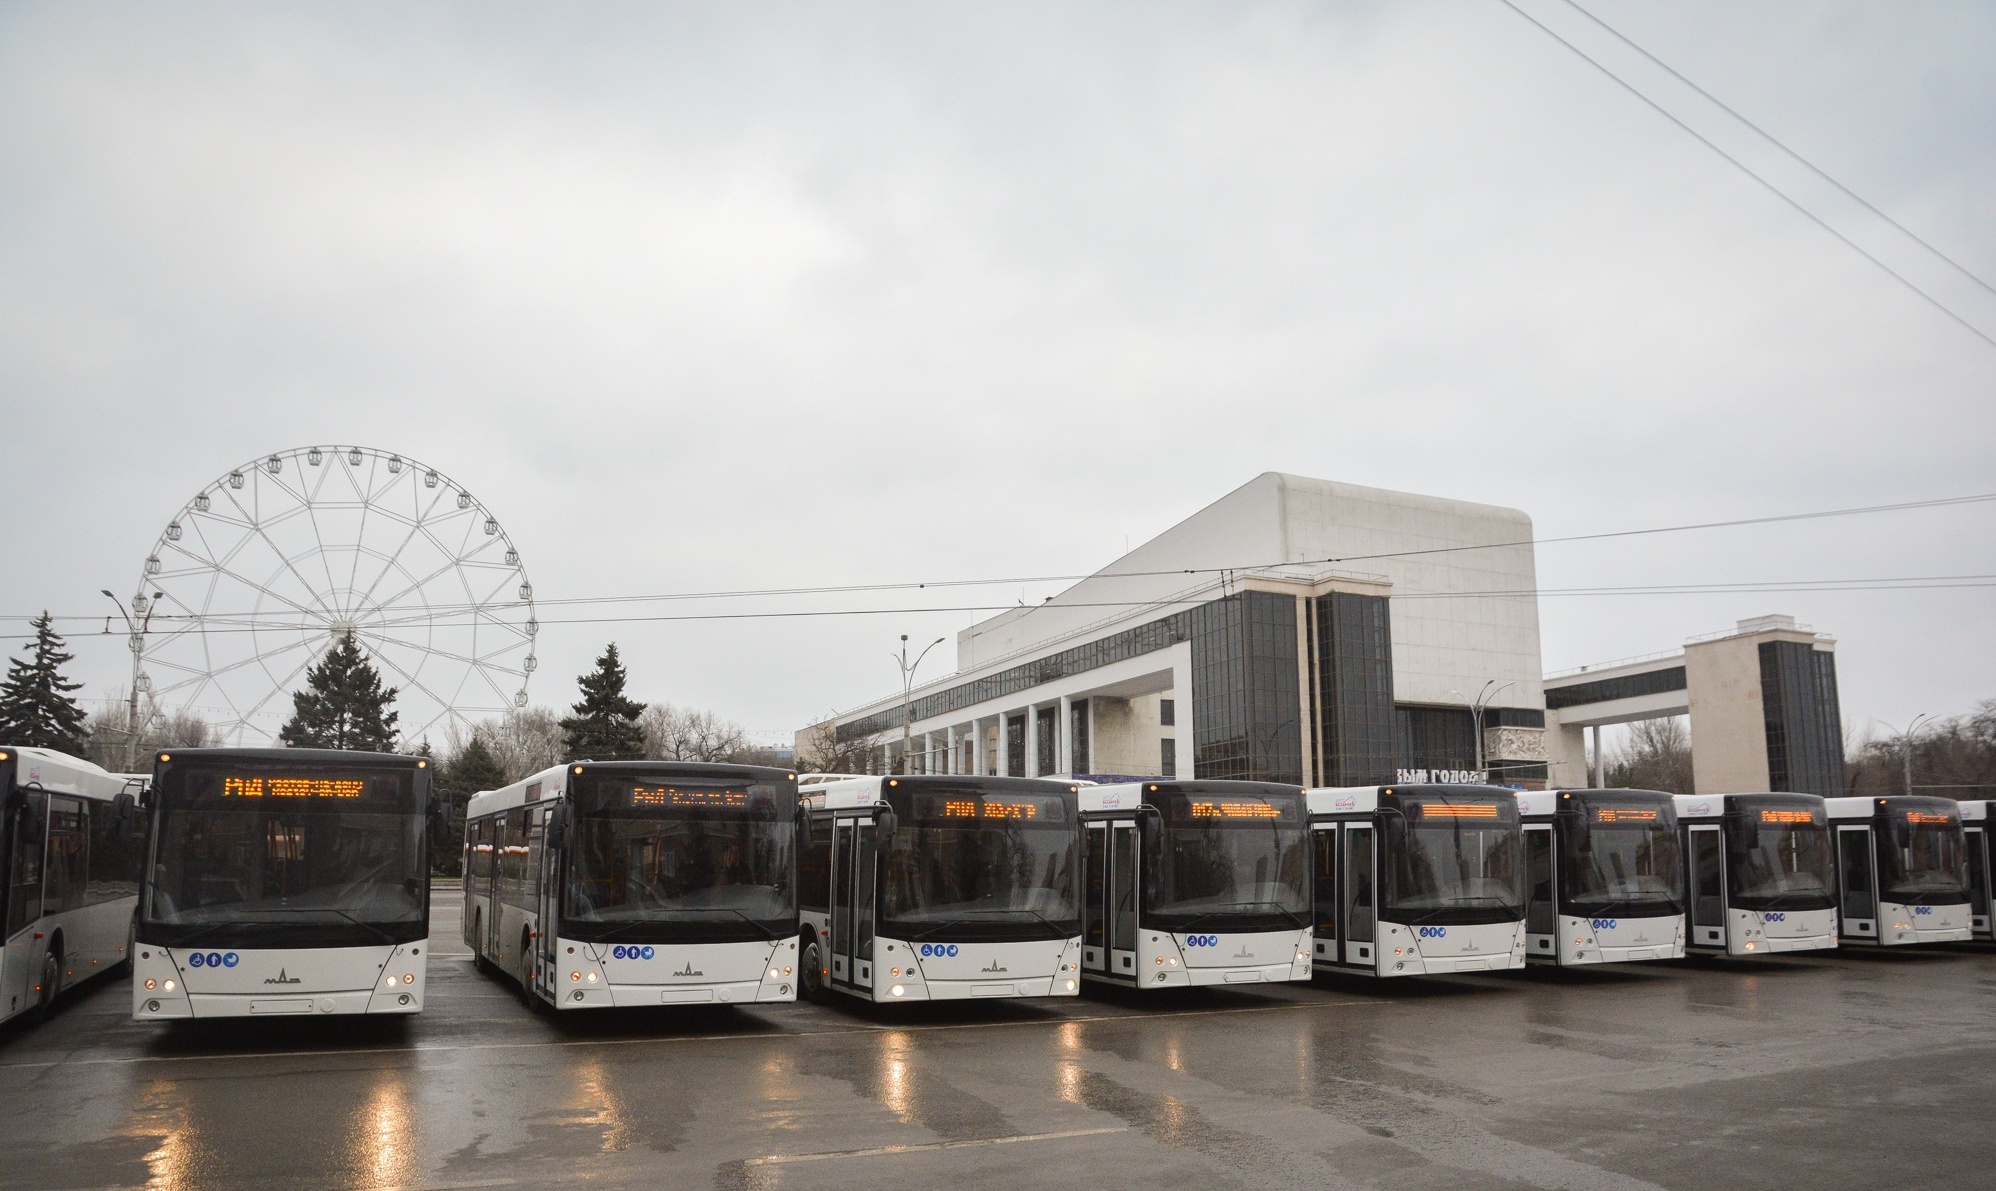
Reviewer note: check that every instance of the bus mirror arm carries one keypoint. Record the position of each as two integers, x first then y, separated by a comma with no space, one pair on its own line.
884,822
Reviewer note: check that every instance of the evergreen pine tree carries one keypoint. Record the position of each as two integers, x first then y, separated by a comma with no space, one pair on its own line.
35,707
343,705
605,724
475,768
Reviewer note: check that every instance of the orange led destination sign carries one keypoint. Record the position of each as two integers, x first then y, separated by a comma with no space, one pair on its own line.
1624,814
1203,809
1935,817
1787,817
292,787
674,796
1468,810
989,808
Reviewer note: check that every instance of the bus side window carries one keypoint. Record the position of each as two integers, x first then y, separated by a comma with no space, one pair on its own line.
1095,877
1707,892
114,855
814,866
1978,873
68,857
1326,883
24,892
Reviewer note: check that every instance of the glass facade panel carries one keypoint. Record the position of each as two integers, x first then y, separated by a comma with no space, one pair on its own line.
1354,645
1049,741
1015,745
1434,737
1246,709
1798,693
1078,736
1627,686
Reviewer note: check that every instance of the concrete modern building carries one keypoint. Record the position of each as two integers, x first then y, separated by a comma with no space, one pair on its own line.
1762,698
1295,630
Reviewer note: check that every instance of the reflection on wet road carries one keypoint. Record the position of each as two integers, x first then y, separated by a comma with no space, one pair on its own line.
1684,1075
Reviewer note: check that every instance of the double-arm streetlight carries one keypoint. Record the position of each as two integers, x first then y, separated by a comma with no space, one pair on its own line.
135,631
1476,709
1906,739
907,689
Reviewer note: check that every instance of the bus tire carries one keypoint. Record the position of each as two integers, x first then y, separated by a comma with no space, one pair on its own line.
528,996
51,982
123,967
811,971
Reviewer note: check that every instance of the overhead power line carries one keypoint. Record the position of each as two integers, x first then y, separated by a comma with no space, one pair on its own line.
1771,139
1779,193
918,585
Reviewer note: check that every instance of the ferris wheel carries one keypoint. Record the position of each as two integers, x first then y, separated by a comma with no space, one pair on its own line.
275,562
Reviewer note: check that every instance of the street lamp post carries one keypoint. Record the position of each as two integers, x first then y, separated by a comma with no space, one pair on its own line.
907,690
135,635
1483,699
1906,747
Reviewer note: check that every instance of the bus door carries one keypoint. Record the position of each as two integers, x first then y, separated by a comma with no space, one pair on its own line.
546,897
1857,901
1359,906
1541,913
26,828
1123,898
1706,860
1977,839
1324,883
842,901
1095,900
862,903
494,909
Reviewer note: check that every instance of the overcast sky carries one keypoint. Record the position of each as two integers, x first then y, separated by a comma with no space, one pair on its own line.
722,296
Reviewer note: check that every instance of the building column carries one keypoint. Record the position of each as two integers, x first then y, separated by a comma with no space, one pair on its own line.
949,759
1063,736
1600,767
1032,742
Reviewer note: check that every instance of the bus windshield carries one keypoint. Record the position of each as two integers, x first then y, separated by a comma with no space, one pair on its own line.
293,855
1778,857
1453,862
1228,861
655,860
1619,858
1922,861
981,865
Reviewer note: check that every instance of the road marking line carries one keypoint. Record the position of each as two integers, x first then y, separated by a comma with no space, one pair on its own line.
859,1028
781,1159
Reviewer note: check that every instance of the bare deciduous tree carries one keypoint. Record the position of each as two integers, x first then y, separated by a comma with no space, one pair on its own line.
111,744
1656,756
525,740
685,734
823,752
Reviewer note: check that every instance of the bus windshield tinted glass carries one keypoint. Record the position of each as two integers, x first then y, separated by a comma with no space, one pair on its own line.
1229,862
1454,863
1921,859
331,855
981,865
712,860
1778,857
1620,859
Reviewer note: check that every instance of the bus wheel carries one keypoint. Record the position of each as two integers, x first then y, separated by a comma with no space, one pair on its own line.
811,971
51,981
528,996
124,966
479,963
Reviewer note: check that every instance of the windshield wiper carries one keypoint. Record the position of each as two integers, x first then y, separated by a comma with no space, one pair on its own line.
1035,915
212,927
615,932
1192,923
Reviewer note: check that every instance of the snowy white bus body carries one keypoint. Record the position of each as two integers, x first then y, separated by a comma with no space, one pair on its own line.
1901,870
70,855
940,888
1758,874
284,882
1195,883
620,884
1604,879
1981,842
1417,880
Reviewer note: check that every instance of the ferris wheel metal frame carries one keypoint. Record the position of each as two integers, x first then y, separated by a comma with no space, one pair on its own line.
243,592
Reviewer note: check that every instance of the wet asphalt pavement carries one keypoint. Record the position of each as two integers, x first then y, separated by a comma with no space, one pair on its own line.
1866,1070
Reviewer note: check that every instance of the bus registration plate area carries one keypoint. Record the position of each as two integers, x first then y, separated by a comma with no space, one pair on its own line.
270,1005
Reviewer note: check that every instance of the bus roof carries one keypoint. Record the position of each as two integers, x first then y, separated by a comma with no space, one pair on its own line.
551,784
1543,802
1118,796
840,792
1712,806
1352,800
1864,808
60,773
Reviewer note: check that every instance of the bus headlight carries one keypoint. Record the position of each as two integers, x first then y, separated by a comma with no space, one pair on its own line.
168,986
897,991
592,977
392,982
1070,986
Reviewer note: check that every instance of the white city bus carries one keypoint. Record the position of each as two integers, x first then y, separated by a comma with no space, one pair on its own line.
1901,870
616,884
1757,873
1417,880
940,888
1981,852
70,849
284,882
1195,883
1604,880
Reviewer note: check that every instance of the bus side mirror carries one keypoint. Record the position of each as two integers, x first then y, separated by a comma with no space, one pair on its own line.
556,833
1750,831
1150,828
1583,834
884,823
124,814
1902,833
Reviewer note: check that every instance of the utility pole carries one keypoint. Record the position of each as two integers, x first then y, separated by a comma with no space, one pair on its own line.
1906,739
907,690
136,637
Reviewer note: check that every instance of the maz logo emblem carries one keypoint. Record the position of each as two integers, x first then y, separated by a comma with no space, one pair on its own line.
938,950
281,978
995,967
689,970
